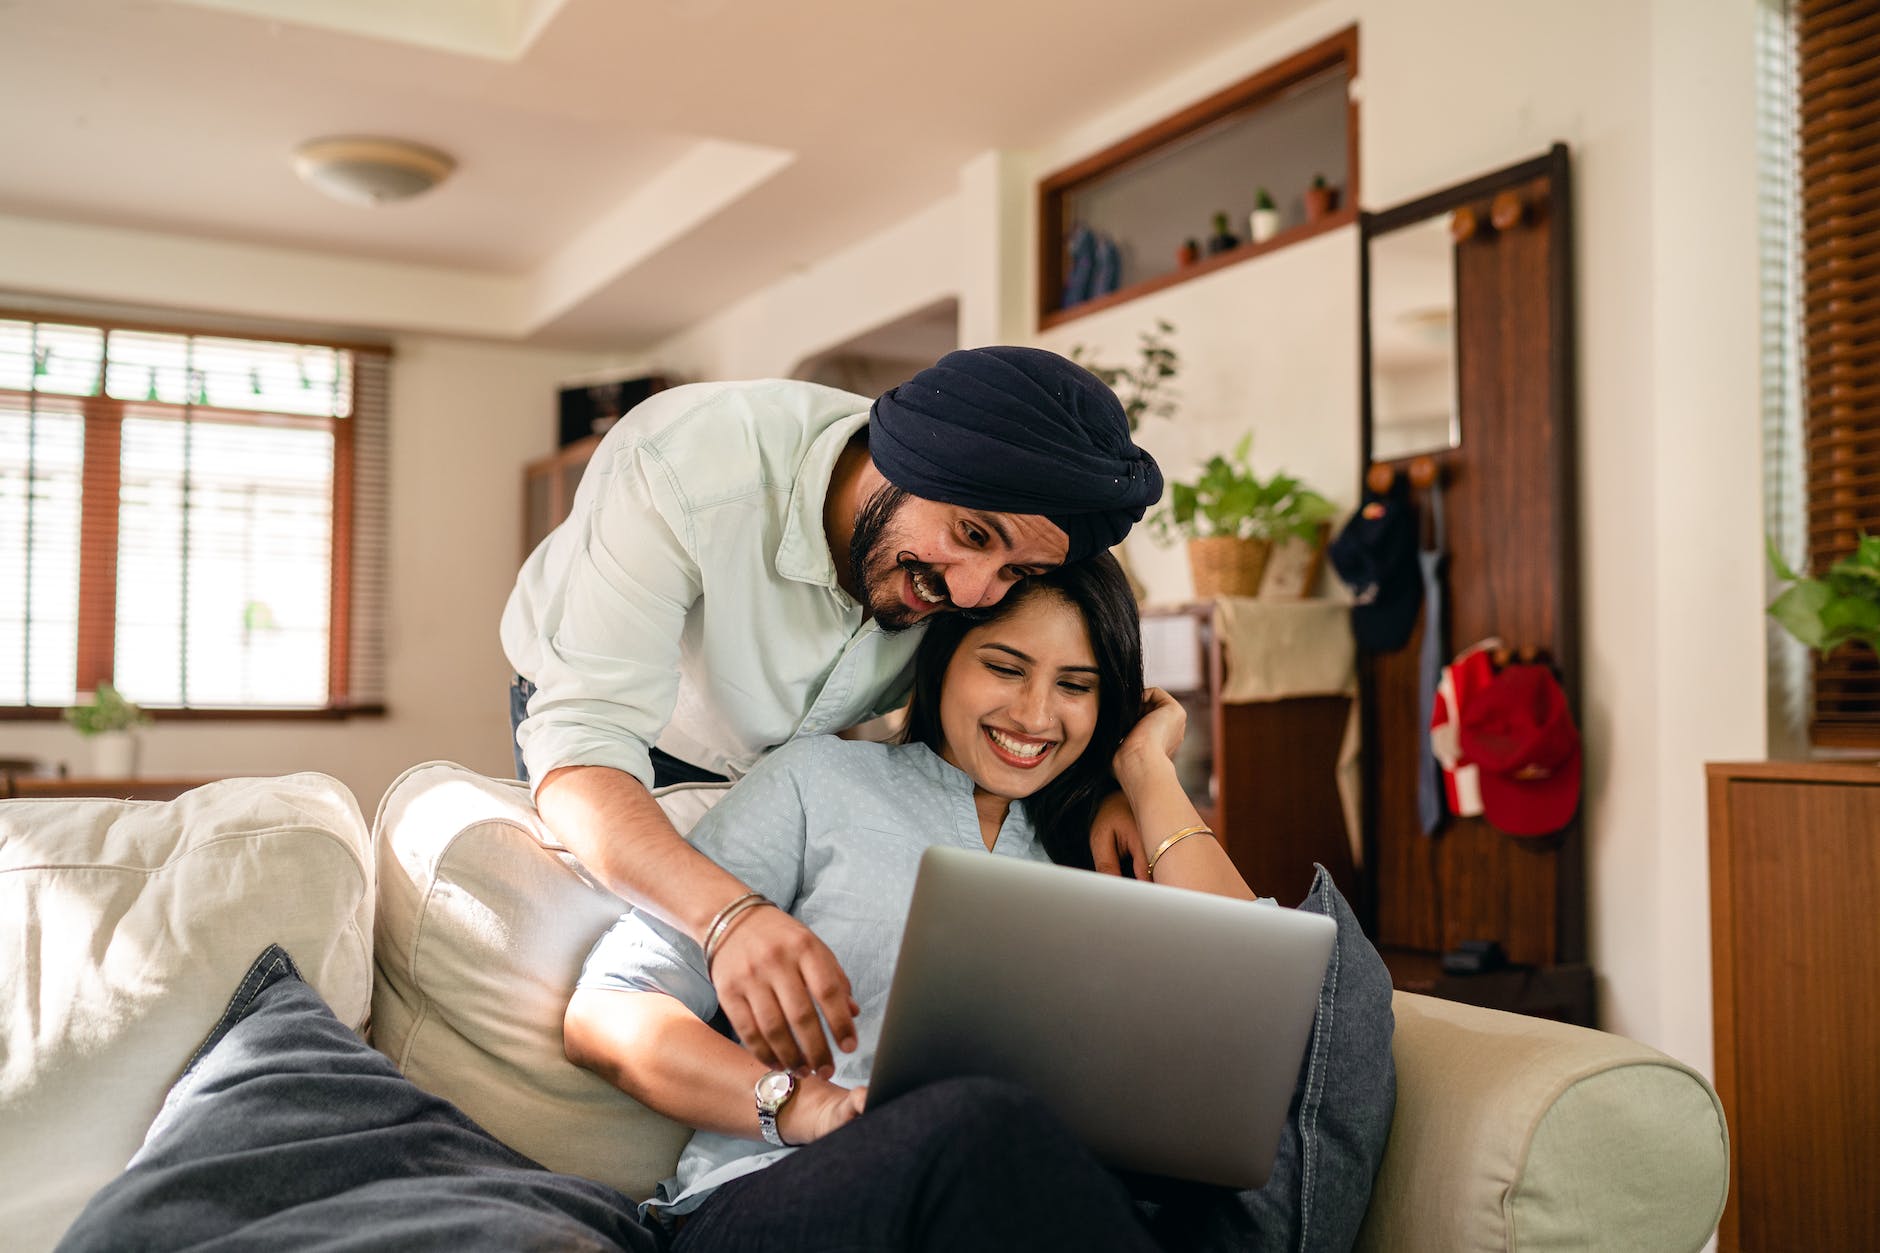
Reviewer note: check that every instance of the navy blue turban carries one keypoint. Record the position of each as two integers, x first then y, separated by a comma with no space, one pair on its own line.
1017,430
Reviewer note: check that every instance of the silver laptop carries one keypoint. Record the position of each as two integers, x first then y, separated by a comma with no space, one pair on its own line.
1165,1027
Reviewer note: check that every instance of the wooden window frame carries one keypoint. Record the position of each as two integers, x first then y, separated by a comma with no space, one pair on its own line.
99,506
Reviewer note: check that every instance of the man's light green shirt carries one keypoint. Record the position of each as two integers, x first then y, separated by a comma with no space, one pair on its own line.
690,601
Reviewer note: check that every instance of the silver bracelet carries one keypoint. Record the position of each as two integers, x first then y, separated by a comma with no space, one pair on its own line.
721,925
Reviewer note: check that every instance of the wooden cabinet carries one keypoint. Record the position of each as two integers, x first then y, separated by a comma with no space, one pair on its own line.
1263,775
1795,953
46,787
548,486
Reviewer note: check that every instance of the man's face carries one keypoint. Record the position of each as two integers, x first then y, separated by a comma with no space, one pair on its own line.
915,557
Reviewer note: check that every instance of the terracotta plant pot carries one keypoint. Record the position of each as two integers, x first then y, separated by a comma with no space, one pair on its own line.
1320,201
1225,565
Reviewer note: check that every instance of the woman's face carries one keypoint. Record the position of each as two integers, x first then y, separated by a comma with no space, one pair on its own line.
1019,700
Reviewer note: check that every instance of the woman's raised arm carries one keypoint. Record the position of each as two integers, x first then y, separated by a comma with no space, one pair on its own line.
1172,846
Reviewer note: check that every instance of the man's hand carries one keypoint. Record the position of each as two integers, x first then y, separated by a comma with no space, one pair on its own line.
817,1109
1114,835
772,975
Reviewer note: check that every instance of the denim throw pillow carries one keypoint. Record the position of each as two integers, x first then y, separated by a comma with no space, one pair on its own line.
1336,1128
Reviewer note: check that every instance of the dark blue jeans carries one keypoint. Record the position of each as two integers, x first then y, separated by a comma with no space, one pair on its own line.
667,769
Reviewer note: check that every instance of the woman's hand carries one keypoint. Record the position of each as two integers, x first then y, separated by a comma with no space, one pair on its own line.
772,974
1115,836
818,1108
1157,735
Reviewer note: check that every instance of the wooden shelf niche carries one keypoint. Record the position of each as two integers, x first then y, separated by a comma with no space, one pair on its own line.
1152,191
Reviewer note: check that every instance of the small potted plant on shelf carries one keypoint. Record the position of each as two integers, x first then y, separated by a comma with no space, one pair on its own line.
1263,222
1229,516
1842,607
1321,197
108,723
1222,240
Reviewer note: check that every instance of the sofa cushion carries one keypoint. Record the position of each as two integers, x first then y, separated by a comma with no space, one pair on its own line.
289,1132
483,924
1336,1127
125,924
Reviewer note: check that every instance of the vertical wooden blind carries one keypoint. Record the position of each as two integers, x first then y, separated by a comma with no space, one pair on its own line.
199,520
1838,63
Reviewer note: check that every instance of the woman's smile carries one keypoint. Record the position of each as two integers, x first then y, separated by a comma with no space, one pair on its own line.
1022,752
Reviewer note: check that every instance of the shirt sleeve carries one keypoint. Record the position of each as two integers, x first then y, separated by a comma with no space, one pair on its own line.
609,671
758,832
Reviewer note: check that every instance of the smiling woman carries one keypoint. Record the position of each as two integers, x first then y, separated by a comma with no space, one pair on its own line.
1023,722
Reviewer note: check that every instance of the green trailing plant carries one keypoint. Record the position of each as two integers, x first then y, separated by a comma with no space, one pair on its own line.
1228,498
1839,608
108,710
1145,387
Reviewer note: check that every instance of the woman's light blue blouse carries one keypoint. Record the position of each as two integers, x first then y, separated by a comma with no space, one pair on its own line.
833,831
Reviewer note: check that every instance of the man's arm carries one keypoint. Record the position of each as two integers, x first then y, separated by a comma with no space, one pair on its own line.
606,670
771,972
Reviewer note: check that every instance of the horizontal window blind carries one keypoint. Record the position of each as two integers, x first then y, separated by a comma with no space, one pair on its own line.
180,514
1838,48
42,448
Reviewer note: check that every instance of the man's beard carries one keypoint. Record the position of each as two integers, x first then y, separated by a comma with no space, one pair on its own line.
873,572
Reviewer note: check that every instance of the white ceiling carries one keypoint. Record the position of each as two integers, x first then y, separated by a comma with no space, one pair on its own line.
626,166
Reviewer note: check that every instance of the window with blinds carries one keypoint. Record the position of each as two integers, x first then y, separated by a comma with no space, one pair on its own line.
198,519
1837,71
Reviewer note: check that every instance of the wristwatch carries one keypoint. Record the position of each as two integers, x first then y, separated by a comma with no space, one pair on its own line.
774,1091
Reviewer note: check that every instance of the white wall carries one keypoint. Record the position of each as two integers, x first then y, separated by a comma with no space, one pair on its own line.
464,418
1656,101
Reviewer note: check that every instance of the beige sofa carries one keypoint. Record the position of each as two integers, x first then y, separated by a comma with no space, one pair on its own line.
458,929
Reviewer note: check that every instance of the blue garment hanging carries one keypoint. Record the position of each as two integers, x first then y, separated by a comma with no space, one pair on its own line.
1434,562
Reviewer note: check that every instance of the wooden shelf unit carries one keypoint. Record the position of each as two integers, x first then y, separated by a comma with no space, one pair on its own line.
548,487
1263,775
1254,102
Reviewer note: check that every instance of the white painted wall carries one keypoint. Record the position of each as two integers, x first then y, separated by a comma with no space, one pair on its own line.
464,418
1655,100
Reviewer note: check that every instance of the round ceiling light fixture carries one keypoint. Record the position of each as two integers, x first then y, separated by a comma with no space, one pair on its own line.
368,170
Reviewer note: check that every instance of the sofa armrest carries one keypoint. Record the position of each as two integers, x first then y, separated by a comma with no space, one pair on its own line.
1520,1133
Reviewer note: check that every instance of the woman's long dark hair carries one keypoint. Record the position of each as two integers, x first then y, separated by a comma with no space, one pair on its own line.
1062,810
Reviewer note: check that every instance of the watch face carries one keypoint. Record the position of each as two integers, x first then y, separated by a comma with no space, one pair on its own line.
775,1087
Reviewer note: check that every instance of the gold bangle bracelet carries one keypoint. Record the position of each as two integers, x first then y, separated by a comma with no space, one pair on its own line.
1200,828
720,925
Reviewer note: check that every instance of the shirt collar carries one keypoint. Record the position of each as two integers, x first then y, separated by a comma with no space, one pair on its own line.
804,553
953,779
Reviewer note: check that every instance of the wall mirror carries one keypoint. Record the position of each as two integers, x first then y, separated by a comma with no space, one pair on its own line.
1411,337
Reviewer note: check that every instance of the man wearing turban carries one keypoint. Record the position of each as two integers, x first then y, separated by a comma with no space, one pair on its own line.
746,563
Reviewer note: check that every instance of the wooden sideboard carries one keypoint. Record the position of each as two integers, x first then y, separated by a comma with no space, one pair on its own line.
44,787
1795,953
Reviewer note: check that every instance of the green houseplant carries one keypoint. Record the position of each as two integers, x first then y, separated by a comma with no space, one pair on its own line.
1146,387
1841,607
106,723
1230,517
